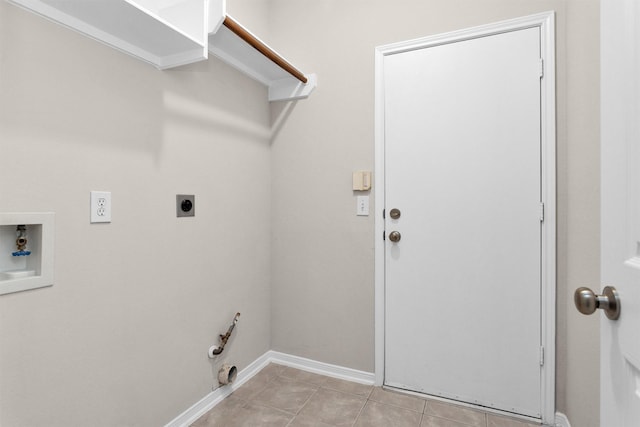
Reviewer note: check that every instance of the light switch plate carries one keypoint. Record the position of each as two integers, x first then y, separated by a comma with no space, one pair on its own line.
362,208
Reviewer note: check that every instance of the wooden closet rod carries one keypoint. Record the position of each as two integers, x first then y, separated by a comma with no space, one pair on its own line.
263,49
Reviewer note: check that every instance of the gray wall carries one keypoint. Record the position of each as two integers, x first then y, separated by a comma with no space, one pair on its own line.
121,338
323,262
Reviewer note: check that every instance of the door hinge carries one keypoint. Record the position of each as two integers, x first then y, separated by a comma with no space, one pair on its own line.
541,212
384,237
384,213
541,356
541,68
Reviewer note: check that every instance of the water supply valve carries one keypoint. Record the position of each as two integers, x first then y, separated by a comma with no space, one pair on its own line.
21,241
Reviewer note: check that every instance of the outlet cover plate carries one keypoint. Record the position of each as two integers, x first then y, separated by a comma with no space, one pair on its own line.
100,206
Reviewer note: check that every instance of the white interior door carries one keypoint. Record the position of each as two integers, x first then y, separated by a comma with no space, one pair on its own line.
620,339
462,132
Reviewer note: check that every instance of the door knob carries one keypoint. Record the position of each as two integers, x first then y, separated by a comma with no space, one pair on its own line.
395,236
588,301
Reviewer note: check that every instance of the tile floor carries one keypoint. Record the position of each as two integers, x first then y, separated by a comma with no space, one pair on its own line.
280,396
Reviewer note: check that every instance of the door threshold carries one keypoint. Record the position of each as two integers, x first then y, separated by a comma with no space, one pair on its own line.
463,404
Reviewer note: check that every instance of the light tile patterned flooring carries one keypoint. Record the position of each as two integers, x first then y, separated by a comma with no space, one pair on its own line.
280,396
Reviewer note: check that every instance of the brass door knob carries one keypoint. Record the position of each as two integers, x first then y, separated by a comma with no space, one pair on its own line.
587,301
395,236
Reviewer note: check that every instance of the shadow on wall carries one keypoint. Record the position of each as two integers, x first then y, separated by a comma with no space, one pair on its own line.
74,88
225,111
280,112
207,116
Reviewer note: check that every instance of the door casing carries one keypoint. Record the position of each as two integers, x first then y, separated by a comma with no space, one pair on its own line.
546,22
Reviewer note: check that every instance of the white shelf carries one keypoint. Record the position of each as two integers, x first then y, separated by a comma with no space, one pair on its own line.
165,37
228,46
170,33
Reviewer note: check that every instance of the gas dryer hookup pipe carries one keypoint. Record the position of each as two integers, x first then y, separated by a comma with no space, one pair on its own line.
215,350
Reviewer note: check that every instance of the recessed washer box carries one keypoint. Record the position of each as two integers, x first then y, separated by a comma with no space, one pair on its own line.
29,266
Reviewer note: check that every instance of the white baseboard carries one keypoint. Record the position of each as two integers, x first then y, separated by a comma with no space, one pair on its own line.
212,399
562,420
322,368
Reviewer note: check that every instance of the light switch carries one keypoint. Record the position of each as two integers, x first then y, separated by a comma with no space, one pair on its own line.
362,181
362,208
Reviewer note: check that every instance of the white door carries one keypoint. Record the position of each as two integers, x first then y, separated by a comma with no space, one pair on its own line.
462,138
620,339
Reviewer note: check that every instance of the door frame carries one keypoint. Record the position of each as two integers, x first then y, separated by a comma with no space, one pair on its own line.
546,22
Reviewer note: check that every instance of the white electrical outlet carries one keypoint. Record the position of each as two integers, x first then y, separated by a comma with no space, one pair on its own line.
100,206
